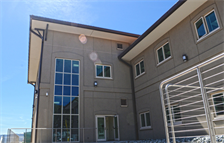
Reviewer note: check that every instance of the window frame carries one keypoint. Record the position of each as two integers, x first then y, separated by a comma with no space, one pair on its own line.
103,77
145,127
165,59
70,114
206,25
217,116
173,115
141,73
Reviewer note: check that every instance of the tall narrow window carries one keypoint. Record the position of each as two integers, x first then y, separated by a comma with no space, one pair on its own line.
145,120
218,100
163,53
206,24
176,116
200,27
103,71
66,101
139,68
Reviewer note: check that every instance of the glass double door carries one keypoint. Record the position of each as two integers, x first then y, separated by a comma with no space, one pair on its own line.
107,128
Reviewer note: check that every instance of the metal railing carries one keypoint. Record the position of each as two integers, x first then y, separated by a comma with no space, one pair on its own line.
191,101
49,135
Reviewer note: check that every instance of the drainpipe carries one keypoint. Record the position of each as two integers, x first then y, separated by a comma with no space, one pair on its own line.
32,107
133,96
40,68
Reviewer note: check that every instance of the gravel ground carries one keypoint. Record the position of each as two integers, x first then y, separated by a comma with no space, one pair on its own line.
206,139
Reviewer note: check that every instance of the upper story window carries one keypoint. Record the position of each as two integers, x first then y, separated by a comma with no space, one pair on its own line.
103,71
139,68
176,116
145,120
206,24
119,46
218,101
163,53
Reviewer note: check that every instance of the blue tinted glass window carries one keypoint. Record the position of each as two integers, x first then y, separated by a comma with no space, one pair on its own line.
66,105
67,66
75,105
66,122
106,71
160,55
66,90
75,91
200,28
59,65
57,121
142,66
67,79
58,78
167,50
137,70
99,70
57,104
75,121
75,66
58,90
212,21
75,79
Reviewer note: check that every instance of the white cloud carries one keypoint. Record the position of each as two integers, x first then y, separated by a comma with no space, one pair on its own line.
68,10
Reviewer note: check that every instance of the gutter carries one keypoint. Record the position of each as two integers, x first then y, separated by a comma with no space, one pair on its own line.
154,26
133,97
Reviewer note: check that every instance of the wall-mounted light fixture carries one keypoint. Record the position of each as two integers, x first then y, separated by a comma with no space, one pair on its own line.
185,58
95,83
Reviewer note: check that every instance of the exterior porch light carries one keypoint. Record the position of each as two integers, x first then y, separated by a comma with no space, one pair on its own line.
95,83
185,58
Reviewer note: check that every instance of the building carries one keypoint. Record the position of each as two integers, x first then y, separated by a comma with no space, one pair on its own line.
96,84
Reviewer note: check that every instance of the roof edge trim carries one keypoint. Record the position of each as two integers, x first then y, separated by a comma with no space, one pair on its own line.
156,24
33,17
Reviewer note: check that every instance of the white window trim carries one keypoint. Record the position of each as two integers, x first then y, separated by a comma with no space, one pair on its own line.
70,114
103,72
206,26
165,59
174,122
203,25
141,73
217,117
146,127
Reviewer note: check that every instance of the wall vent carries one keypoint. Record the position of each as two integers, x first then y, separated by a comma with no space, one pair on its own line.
119,46
124,103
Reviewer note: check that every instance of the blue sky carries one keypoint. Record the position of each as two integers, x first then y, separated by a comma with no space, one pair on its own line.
16,96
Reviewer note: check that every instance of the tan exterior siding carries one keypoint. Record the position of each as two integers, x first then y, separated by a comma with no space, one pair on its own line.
182,40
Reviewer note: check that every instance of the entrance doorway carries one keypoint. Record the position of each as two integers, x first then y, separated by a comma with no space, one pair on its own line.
107,127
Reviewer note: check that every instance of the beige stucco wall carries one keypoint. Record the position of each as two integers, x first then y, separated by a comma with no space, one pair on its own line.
182,40
105,98
101,100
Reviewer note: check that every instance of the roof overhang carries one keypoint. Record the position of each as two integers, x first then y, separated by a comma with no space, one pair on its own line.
67,27
169,20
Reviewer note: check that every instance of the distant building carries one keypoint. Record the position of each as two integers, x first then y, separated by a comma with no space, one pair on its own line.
95,84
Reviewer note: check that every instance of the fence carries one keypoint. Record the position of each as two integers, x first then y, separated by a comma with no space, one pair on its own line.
193,101
46,135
